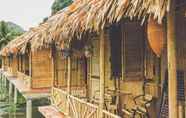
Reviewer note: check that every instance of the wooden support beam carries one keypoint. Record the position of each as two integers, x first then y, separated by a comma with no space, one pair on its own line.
102,73
10,91
28,108
171,51
5,83
53,66
3,63
1,87
69,83
15,95
30,63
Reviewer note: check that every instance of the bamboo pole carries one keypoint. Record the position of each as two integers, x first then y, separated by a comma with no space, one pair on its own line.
68,84
30,69
102,73
10,91
29,108
15,95
3,63
171,51
53,63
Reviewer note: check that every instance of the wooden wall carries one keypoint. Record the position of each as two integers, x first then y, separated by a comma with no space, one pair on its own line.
41,72
60,66
5,62
138,60
78,77
14,66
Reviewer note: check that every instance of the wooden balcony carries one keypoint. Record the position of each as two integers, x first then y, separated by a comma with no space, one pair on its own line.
76,107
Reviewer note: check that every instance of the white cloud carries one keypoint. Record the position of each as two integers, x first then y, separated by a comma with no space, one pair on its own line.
26,13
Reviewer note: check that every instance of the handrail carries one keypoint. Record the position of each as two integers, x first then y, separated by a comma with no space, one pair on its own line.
109,115
77,104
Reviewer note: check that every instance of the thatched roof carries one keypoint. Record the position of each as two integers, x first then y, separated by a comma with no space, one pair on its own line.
88,16
19,44
95,15
13,46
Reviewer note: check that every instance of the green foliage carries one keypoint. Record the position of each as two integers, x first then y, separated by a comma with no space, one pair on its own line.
45,19
8,31
60,4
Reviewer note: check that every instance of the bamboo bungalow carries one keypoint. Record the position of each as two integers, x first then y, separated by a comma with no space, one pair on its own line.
107,65
123,66
31,72
26,64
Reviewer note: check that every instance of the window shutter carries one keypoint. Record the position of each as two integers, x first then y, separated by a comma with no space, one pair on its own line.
133,36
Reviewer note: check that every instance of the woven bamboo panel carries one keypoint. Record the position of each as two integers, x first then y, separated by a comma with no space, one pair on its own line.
5,63
61,71
41,69
153,90
14,66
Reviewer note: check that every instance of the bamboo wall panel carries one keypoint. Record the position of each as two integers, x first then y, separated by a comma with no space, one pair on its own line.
14,66
61,70
94,78
78,77
109,82
6,63
181,41
41,69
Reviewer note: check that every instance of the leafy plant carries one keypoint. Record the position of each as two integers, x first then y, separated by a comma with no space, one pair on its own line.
60,4
8,31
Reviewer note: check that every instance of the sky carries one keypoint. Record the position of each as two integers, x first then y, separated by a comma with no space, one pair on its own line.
26,13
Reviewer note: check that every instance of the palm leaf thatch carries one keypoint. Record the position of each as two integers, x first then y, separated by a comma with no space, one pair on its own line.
86,16
94,15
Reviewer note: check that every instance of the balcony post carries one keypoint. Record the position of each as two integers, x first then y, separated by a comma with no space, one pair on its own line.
10,91
28,108
68,84
102,73
15,95
171,55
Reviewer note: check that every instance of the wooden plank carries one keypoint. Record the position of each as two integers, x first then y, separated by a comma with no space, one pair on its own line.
171,50
102,73
69,83
50,112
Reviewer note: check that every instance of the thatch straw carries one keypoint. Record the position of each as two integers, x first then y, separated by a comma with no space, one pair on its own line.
95,15
87,16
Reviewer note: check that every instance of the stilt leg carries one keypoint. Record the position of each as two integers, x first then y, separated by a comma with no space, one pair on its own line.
10,91
15,95
29,109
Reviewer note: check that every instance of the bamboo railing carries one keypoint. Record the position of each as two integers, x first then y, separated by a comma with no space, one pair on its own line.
82,109
78,106
107,114
59,100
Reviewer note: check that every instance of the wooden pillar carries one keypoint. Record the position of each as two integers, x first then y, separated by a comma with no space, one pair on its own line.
1,88
5,82
102,73
10,91
53,62
30,69
3,63
15,95
5,86
171,51
68,84
28,108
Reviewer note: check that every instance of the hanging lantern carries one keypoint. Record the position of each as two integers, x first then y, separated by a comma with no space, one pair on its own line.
156,36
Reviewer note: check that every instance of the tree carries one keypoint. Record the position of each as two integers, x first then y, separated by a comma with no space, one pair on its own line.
8,31
60,4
